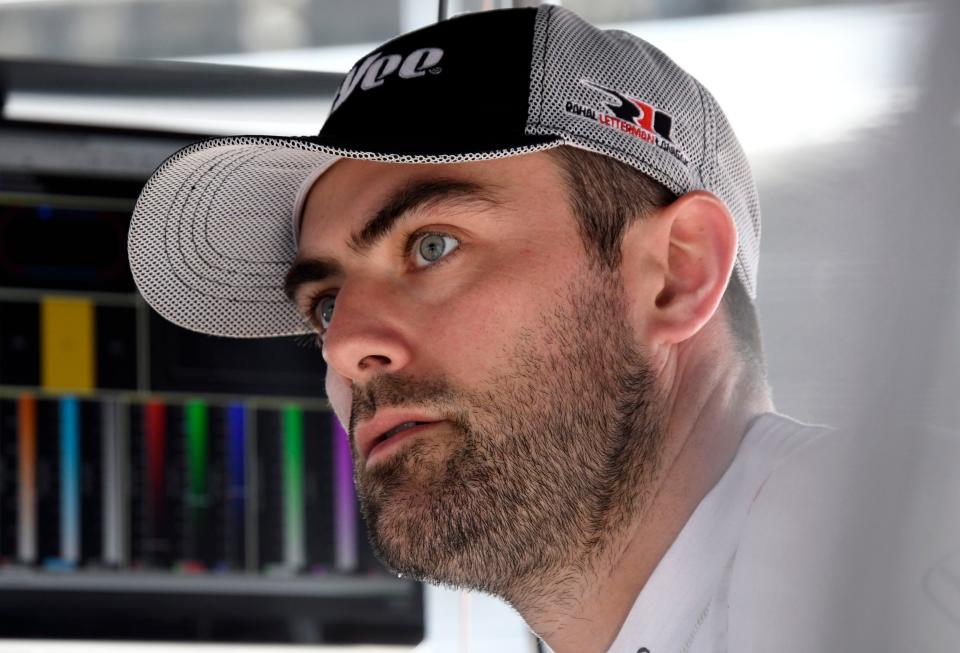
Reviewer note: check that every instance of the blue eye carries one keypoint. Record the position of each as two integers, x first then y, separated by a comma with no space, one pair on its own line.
430,248
323,310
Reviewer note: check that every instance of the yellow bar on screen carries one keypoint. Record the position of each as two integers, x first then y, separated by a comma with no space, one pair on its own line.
67,343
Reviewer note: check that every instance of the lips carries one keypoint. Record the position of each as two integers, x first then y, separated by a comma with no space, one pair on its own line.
397,429
387,425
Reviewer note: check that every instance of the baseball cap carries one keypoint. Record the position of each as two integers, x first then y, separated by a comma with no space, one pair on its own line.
214,229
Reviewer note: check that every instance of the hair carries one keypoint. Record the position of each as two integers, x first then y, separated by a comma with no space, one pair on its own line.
606,196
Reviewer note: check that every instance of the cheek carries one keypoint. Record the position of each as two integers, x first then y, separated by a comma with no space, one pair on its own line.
340,396
474,335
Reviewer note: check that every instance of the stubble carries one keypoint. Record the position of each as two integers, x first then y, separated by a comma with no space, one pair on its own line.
539,473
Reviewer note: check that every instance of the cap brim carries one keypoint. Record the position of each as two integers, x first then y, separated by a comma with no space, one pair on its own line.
211,236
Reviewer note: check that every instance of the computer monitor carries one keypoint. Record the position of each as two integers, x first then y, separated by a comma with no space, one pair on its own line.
158,484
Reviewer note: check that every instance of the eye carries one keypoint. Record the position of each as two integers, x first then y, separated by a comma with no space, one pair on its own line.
431,247
323,310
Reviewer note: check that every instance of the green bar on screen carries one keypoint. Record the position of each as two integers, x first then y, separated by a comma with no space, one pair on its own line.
197,439
293,499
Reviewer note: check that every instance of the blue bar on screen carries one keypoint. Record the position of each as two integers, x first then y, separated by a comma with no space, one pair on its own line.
69,480
236,467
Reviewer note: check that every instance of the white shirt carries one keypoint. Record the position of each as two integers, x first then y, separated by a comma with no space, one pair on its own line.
684,606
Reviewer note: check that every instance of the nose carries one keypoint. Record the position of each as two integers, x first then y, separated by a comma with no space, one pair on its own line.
366,335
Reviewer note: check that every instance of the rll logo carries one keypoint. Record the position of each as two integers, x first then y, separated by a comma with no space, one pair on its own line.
371,72
634,111
630,116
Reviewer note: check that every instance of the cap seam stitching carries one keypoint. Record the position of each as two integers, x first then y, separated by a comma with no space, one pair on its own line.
543,63
225,174
705,171
206,279
666,178
219,177
181,197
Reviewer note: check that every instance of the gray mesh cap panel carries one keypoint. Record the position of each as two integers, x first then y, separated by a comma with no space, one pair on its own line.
613,93
730,179
211,236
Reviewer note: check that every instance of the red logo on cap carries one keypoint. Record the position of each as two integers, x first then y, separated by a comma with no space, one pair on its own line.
634,111
631,116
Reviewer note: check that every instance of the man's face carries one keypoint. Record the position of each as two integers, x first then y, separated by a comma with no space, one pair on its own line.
460,300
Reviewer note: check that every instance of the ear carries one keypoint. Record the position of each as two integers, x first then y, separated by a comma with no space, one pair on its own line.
696,255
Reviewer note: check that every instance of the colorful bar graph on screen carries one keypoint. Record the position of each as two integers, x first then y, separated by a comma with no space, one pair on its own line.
9,425
236,475
67,344
197,434
190,486
197,442
293,500
27,472
345,503
113,426
155,427
69,480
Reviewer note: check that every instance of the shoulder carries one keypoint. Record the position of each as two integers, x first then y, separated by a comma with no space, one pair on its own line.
840,543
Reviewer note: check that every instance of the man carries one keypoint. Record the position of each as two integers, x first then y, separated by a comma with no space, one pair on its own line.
528,249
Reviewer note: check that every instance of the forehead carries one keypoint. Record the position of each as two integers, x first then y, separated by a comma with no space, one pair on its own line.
351,191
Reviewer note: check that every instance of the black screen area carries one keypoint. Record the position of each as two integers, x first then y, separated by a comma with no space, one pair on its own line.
44,246
194,362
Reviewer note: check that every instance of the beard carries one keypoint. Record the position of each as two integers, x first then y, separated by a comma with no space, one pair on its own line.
534,476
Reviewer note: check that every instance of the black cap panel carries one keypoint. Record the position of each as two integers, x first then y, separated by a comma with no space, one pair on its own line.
461,85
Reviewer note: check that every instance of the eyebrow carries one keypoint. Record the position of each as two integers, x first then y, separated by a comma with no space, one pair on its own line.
306,271
415,196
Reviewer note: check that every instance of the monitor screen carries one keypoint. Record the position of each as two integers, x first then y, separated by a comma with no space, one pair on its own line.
158,484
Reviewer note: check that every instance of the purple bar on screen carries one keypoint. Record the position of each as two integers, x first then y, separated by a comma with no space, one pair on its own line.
344,500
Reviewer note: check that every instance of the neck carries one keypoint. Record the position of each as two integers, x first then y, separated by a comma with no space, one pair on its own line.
709,409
